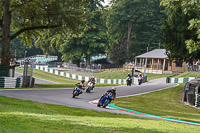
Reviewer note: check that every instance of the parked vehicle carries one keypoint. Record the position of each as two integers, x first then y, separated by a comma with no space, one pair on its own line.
105,100
90,86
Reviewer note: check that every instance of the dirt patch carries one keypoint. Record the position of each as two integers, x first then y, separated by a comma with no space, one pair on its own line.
181,95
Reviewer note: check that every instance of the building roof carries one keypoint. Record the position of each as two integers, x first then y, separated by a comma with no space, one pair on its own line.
156,53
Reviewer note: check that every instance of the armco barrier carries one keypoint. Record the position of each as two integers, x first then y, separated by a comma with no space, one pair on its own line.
10,82
79,77
179,80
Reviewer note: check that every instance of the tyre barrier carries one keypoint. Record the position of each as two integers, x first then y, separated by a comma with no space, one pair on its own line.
179,80
79,77
10,82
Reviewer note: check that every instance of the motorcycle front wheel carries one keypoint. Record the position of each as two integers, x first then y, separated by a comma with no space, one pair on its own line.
74,94
106,103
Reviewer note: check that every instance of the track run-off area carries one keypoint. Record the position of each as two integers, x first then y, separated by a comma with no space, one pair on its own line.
89,100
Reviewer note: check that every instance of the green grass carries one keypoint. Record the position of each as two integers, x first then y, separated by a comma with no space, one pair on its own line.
28,116
120,74
48,76
112,74
63,82
188,74
162,103
151,76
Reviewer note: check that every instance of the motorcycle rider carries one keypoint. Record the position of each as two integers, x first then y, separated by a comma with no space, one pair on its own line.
140,77
113,91
80,86
92,80
129,77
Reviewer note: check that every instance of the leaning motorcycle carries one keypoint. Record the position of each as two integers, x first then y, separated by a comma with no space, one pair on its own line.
76,92
105,100
140,81
90,86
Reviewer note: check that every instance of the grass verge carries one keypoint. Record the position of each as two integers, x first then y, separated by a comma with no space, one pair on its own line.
64,82
48,76
120,74
162,103
28,116
188,74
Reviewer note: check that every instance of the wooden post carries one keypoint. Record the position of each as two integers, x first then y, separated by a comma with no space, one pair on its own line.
158,65
140,62
163,67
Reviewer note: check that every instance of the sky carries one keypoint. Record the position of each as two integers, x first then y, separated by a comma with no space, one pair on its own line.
106,2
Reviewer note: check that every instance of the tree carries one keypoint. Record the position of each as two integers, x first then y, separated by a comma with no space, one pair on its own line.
90,40
137,23
125,14
176,35
26,18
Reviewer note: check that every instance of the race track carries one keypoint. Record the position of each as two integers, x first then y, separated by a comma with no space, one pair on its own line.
64,96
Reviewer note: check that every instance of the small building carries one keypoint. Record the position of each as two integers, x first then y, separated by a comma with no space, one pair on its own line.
156,61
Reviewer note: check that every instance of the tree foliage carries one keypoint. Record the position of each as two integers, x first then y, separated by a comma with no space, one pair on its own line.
181,30
135,24
90,40
26,18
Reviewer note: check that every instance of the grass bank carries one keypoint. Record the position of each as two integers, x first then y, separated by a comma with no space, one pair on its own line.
188,74
28,116
120,74
48,76
63,82
162,103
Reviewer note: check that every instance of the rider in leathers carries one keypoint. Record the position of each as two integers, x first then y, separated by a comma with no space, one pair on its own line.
80,86
113,91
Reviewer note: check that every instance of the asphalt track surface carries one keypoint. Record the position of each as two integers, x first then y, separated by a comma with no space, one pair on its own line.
64,97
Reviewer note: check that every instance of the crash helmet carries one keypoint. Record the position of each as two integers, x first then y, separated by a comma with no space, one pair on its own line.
82,81
114,88
129,74
93,77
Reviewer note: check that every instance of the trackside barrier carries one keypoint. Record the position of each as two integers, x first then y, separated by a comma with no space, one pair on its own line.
179,80
79,77
10,82
197,103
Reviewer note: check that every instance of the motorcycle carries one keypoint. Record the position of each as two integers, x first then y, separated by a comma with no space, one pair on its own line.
90,86
105,100
76,92
139,81
128,81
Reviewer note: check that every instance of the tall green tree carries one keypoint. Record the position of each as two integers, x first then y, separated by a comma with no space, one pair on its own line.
179,33
26,18
90,40
135,24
